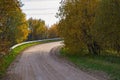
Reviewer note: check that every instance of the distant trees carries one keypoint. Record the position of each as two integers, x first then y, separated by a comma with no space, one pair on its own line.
53,31
90,24
37,28
13,24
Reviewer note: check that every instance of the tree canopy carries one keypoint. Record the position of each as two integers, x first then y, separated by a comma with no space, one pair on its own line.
76,19
38,29
91,25
53,31
13,24
106,29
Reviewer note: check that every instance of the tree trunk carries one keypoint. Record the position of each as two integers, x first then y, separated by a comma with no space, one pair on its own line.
94,48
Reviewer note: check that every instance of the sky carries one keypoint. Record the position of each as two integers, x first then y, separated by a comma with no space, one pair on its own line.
41,9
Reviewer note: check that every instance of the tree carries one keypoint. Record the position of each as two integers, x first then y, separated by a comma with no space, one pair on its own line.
106,29
13,25
37,28
52,31
76,20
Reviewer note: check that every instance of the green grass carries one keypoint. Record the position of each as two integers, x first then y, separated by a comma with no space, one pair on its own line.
9,58
108,64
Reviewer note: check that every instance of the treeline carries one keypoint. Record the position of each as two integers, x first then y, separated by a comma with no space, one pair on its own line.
38,30
14,28
13,24
91,25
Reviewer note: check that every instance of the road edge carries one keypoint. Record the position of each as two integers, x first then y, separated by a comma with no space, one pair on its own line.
55,54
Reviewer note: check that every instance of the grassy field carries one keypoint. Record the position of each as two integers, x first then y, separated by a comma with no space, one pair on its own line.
8,59
108,64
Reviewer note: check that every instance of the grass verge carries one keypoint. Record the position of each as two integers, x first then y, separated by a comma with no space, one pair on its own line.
6,60
108,64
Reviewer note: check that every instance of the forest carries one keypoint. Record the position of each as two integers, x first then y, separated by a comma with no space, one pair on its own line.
90,26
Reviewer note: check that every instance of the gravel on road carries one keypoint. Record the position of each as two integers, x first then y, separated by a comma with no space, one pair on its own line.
36,63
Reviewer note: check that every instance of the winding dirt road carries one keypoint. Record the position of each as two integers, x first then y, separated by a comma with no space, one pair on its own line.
36,63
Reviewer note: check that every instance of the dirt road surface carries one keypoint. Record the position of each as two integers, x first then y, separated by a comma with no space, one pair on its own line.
36,63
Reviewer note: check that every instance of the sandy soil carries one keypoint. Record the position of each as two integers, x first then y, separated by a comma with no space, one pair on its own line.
36,63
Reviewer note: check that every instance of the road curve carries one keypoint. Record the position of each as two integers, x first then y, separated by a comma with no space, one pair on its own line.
36,63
